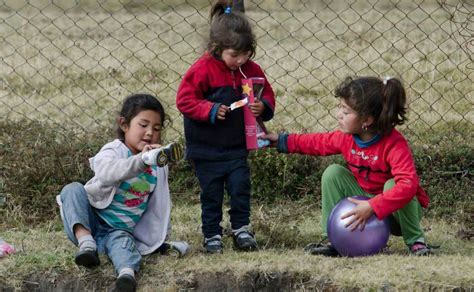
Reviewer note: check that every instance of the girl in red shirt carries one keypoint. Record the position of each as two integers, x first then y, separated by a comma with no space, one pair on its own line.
379,161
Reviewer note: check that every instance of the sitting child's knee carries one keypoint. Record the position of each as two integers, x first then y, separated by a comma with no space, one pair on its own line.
333,170
72,189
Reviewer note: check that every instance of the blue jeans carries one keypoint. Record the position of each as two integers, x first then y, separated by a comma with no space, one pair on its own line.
213,176
119,245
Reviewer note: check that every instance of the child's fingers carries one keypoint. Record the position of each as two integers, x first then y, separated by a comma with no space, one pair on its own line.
224,108
271,136
348,214
221,115
256,111
256,106
355,201
353,223
148,147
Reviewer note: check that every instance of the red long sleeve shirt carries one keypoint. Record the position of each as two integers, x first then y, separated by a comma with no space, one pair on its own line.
372,166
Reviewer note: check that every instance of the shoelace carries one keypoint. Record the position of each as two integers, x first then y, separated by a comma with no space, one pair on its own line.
213,241
244,235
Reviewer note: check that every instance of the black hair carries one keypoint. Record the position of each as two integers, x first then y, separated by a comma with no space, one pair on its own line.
136,103
230,29
384,100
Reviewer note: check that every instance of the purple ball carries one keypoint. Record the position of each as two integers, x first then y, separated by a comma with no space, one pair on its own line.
356,243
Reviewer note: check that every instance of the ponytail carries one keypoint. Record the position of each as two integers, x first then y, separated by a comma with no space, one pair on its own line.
230,29
393,107
219,8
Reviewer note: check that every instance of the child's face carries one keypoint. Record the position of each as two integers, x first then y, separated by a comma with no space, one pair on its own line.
233,59
348,120
144,129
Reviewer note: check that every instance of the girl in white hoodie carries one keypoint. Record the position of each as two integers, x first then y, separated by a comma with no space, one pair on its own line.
124,210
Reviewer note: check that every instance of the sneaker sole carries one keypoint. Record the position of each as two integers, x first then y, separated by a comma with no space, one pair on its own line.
246,247
214,252
87,259
173,153
125,284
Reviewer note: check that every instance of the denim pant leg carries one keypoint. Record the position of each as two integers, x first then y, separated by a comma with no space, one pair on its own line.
211,176
122,250
77,210
238,187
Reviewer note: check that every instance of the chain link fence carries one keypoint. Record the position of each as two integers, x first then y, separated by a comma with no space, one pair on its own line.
72,62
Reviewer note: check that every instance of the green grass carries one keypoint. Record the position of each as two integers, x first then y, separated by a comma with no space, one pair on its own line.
285,217
282,231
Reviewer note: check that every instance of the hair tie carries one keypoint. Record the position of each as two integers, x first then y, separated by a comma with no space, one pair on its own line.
228,10
385,79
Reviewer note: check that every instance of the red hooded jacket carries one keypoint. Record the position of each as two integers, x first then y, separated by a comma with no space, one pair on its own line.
206,84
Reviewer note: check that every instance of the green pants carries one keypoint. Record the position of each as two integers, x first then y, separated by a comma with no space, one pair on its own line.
338,183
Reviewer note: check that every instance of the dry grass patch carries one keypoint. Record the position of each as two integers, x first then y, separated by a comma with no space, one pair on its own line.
46,251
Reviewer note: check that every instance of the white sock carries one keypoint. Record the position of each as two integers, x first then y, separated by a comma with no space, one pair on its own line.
87,242
241,229
127,271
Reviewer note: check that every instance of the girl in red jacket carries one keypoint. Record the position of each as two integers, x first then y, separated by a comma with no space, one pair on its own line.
379,163
215,134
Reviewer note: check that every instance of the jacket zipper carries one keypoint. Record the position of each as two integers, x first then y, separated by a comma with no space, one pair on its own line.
233,80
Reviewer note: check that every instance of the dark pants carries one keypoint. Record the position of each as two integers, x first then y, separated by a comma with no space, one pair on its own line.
213,176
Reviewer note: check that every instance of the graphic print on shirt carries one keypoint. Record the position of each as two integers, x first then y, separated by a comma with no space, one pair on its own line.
135,195
130,201
369,158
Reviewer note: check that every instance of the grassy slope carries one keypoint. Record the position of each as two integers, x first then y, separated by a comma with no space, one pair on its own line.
46,251
282,230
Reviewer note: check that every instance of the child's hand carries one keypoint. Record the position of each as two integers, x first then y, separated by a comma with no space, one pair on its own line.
272,137
360,214
150,146
222,111
257,108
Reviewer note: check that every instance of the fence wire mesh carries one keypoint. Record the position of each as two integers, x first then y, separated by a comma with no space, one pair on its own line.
72,62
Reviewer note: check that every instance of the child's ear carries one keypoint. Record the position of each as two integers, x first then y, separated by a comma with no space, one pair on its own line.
122,123
368,121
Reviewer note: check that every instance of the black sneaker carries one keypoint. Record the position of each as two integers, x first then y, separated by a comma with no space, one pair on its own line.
161,156
214,244
87,258
420,249
125,283
245,241
170,153
325,249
